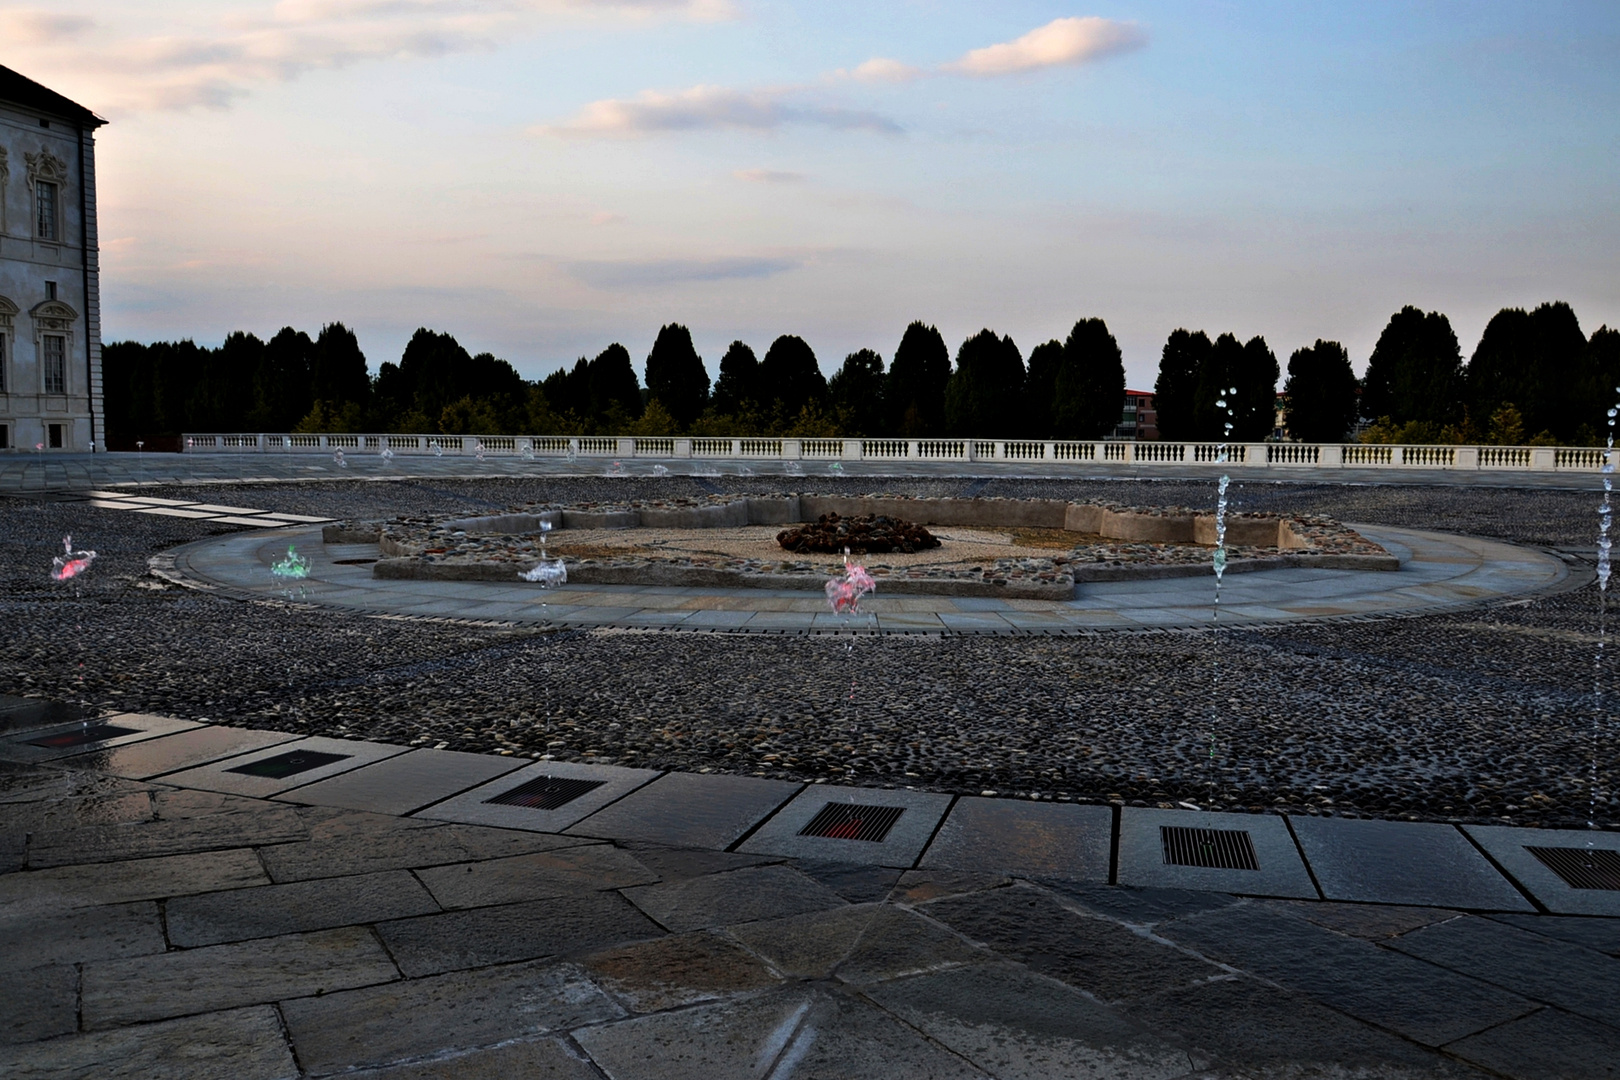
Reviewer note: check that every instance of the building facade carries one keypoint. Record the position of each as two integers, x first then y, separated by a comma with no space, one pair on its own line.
50,311
1139,419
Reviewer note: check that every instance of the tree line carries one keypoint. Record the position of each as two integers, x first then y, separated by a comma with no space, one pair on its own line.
1534,376
1069,389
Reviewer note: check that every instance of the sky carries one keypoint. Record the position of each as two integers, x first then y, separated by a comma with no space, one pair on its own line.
543,177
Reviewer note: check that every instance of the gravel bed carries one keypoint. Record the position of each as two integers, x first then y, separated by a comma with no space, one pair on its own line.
1480,715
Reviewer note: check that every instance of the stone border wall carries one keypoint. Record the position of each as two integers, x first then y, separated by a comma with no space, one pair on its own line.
1295,549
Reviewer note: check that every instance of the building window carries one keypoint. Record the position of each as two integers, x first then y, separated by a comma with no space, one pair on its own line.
3,389
53,436
5,436
50,290
45,225
55,349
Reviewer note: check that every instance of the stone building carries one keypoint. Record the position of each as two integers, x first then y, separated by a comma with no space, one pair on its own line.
50,310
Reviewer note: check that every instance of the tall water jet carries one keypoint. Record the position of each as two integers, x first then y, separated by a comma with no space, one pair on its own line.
1221,458
1605,519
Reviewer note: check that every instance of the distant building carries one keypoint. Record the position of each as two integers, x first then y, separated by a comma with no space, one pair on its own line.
1139,419
50,302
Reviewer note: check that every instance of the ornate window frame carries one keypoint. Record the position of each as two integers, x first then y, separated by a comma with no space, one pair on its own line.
46,166
54,317
8,339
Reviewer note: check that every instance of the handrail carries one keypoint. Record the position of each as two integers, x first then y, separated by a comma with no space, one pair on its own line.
1013,451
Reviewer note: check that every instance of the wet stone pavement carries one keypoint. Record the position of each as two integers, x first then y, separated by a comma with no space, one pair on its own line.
151,929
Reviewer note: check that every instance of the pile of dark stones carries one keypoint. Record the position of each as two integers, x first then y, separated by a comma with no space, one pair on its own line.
865,535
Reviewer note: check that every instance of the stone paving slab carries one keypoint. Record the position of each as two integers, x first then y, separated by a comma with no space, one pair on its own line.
364,843
120,992
430,1016
1425,1003
733,896
474,807
689,810
1403,862
568,871
66,888
272,910
1037,838
159,837
1508,847
1142,860
798,1033
41,1003
244,1044
35,938
1575,979
504,933
1546,1045
1042,1027
399,785
49,744
175,752
920,814
227,776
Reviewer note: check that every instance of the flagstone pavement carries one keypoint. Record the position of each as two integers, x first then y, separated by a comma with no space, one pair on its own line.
184,900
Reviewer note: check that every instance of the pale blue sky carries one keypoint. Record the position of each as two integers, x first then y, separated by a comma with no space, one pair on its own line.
542,177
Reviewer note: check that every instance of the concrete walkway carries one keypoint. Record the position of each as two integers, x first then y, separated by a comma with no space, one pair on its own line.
186,900
1437,572
26,472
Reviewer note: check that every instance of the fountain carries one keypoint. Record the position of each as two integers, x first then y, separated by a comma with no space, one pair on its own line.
70,564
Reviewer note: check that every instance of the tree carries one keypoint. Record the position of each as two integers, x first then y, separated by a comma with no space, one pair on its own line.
281,385
1089,396
1181,367
738,385
1254,406
1321,393
1598,389
790,378
1040,388
984,397
856,391
1210,417
1415,372
433,371
611,386
1530,360
915,392
676,376
337,367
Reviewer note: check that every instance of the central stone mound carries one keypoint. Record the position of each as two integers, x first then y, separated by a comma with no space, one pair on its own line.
869,534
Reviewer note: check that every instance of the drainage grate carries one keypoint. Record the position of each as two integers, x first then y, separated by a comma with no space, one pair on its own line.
1581,868
1214,849
82,735
289,764
353,562
546,792
847,821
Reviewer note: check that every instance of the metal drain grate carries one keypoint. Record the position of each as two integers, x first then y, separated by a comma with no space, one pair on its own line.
1214,849
83,735
847,821
289,764
1581,868
546,792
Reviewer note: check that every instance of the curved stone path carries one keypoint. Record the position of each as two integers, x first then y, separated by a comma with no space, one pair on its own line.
1438,571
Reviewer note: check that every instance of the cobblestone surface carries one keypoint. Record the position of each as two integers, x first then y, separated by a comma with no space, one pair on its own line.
1480,715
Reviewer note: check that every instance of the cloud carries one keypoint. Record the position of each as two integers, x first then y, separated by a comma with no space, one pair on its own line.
710,108
768,176
606,217
23,26
652,273
1060,43
882,69
212,66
